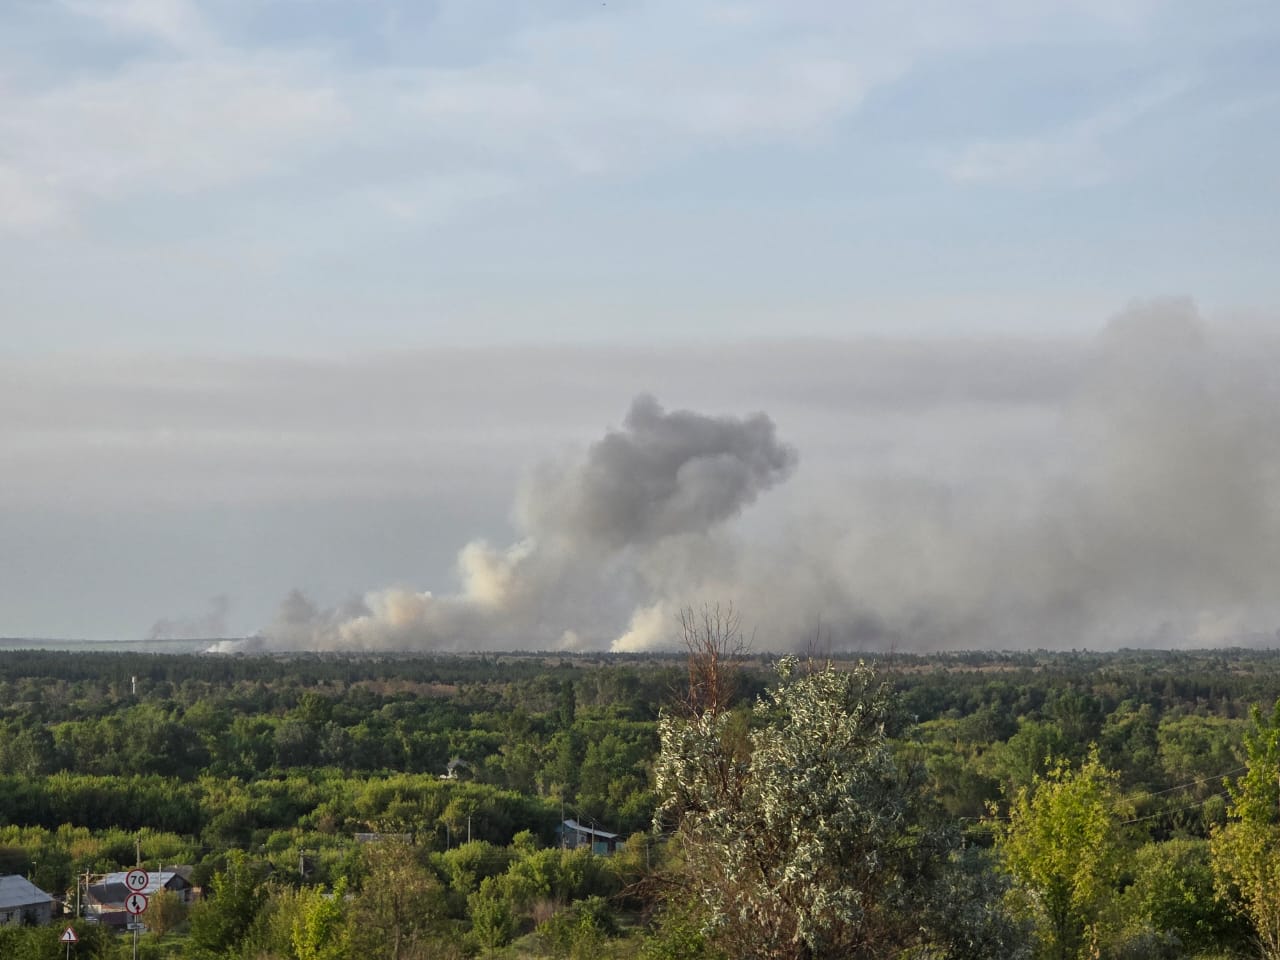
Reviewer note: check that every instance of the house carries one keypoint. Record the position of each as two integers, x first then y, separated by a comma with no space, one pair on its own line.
22,902
573,835
105,897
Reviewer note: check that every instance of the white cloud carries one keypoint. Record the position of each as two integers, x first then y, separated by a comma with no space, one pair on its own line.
612,91
166,127
174,23
1078,154
26,200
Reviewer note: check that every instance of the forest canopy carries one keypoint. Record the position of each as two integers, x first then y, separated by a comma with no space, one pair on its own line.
946,775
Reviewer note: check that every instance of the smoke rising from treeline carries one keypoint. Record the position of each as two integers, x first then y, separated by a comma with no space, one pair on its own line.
1141,505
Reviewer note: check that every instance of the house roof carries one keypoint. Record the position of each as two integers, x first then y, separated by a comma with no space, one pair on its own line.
16,891
577,827
157,879
111,888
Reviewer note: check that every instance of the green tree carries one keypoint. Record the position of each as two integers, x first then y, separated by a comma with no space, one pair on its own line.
1173,894
219,923
1246,851
579,932
566,705
492,919
319,931
165,911
400,906
1026,755
679,935
1064,845
1199,748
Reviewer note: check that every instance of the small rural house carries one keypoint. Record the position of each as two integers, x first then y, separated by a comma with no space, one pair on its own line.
573,835
104,898
22,902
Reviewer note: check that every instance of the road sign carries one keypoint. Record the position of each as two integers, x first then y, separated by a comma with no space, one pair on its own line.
135,925
136,880
68,936
135,903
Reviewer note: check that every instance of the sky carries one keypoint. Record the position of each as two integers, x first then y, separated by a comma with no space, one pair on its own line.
304,295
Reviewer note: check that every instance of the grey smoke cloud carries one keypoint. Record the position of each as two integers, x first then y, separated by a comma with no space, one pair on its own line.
661,475
984,492
588,525
1141,506
212,623
1152,517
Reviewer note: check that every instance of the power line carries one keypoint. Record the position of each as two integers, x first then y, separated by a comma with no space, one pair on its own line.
1146,796
1193,783
1189,806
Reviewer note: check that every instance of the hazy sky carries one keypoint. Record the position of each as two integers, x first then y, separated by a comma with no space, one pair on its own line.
298,293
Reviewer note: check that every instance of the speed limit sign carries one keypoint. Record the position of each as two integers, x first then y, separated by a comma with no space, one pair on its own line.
136,880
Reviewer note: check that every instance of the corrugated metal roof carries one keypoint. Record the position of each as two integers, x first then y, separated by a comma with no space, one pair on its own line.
155,881
16,891
575,826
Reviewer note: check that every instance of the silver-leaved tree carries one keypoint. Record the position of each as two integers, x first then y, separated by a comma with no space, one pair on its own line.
808,838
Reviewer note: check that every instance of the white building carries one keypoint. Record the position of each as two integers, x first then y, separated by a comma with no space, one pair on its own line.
23,902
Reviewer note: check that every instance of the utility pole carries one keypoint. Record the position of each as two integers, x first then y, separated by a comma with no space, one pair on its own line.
137,850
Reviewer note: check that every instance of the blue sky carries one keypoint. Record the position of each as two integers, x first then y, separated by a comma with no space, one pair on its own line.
325,175
299,294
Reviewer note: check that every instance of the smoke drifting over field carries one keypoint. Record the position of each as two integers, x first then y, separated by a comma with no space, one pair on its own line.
1139,503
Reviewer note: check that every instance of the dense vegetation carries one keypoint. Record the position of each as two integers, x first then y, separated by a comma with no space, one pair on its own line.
966,805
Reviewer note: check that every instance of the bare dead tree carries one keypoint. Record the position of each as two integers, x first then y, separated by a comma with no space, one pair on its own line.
817,652
713,638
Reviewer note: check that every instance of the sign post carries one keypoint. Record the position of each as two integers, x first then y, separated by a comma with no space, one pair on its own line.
135,904
136,880
68,937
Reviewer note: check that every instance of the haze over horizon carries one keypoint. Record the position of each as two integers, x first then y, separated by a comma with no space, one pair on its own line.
312,309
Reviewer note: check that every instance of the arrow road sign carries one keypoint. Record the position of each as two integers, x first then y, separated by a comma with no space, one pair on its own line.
68,936
136,880
136,903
